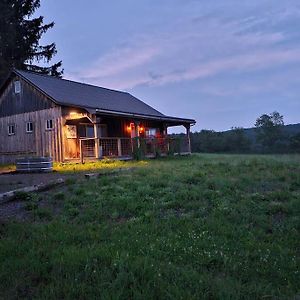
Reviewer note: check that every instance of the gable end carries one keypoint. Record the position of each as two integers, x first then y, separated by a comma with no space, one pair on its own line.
28,99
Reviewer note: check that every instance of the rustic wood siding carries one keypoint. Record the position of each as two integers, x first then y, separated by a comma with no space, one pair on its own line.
41,142
28,100
117,127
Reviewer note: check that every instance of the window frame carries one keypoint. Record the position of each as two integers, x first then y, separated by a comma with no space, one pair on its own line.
48,122
83,128
17,87
27,124
13,131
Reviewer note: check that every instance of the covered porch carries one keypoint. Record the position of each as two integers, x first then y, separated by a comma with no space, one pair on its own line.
99,136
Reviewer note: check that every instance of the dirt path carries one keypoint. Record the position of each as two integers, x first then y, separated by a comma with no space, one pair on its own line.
13,181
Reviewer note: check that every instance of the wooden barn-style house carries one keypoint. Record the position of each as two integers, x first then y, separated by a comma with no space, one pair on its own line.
42,115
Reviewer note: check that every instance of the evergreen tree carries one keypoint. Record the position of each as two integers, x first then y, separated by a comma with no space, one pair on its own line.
19,39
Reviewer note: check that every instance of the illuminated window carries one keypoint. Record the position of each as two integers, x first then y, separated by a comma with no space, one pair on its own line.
29,127
17,87
49,124
11,129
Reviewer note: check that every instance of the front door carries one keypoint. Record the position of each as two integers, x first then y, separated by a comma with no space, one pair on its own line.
71,142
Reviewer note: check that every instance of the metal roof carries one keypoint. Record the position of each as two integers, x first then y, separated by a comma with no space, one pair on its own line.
71,93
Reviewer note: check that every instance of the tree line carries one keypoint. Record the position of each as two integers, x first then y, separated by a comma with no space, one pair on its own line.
269,135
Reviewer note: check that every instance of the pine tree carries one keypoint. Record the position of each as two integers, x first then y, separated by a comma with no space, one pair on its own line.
19,39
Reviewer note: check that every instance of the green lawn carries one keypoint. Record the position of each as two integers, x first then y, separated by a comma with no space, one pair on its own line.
199,227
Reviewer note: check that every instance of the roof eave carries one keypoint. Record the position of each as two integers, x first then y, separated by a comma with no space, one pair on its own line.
147,117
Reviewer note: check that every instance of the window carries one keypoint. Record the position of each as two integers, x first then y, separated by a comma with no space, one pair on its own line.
86,130
29,127
150,132
102,130
11,129
49,124
90,131
17,87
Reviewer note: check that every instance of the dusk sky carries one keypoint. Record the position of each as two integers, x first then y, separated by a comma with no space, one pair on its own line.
221,62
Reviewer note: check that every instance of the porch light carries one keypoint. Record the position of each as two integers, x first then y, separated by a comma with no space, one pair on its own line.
141,129
75,115
130,127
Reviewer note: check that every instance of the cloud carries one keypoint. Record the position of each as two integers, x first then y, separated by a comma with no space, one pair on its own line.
196,47
244,63
120,60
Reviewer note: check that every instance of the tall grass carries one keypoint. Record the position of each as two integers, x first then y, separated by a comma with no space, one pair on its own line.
199,227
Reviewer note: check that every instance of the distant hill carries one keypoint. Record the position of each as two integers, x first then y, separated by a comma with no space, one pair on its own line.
292,129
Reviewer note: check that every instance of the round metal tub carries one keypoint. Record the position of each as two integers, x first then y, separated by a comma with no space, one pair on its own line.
34,164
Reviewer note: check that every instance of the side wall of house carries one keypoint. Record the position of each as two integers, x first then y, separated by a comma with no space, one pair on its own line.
17,109
40,142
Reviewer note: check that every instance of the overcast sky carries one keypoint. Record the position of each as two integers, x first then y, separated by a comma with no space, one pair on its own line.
221,62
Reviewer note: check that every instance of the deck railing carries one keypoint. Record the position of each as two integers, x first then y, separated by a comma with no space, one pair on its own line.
114,147
87,147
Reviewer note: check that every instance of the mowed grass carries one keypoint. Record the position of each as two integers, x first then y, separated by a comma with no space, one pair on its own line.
199,227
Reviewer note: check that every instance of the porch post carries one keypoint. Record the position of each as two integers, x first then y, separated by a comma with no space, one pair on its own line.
96,140
188,130
137,133
119,148
81,154
165,130
136,128
166,140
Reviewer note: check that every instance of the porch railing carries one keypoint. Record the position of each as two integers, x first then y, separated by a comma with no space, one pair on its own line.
87,147
114,147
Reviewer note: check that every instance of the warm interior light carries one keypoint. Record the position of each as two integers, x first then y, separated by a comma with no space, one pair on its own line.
130,127
75,115
141,129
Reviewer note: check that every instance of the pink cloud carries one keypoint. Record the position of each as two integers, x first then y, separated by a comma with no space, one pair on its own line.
196,50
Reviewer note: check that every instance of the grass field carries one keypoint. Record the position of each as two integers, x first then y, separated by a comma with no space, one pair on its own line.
199,227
